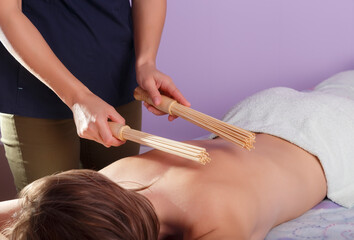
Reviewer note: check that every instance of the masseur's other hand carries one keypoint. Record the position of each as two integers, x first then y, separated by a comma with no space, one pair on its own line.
154,82
91,116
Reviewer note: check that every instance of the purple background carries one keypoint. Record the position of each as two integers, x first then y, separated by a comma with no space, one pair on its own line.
219,52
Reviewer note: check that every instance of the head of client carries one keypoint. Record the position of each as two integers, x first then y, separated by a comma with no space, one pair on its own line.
83,204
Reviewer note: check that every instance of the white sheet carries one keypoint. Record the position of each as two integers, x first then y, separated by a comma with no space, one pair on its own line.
320,121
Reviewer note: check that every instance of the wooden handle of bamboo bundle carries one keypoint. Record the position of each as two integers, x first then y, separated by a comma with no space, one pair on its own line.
118,130
165,105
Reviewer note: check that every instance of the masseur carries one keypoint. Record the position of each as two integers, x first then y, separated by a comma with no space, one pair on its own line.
79,54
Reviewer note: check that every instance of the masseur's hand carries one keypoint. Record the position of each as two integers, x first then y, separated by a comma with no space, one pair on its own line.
91,116
148,19
154,82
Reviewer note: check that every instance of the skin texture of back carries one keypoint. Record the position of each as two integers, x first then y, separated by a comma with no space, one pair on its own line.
239,195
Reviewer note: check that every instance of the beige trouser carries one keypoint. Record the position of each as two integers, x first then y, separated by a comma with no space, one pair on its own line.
39,147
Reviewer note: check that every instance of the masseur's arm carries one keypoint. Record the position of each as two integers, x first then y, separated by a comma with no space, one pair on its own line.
26,44
149,18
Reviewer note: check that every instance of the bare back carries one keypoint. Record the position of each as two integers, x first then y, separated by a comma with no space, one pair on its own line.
249,190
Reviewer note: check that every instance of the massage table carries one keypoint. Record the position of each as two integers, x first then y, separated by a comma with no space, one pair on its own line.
325,221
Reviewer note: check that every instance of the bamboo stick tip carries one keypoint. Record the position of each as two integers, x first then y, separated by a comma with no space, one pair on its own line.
205,158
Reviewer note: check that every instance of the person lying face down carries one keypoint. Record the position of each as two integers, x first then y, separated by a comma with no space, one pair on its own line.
239,195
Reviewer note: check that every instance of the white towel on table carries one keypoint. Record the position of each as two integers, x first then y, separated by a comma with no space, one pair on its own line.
320,121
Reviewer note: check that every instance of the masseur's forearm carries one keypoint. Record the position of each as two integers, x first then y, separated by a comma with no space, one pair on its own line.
149,18
26,44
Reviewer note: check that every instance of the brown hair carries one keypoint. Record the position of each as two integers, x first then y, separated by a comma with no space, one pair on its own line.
83,204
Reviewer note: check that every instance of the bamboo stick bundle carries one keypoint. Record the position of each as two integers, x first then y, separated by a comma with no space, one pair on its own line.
222,129
188,151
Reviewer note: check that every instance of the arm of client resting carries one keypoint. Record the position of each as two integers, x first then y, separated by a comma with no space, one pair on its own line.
7,209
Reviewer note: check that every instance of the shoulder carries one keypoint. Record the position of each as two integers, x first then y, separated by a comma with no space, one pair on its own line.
138,169
115,168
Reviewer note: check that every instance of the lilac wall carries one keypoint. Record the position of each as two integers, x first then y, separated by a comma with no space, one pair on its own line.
220,51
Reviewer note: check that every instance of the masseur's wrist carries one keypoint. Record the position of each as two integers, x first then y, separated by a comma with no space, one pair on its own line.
145,61
75,93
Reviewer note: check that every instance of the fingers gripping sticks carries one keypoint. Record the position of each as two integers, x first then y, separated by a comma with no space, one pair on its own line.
224,130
